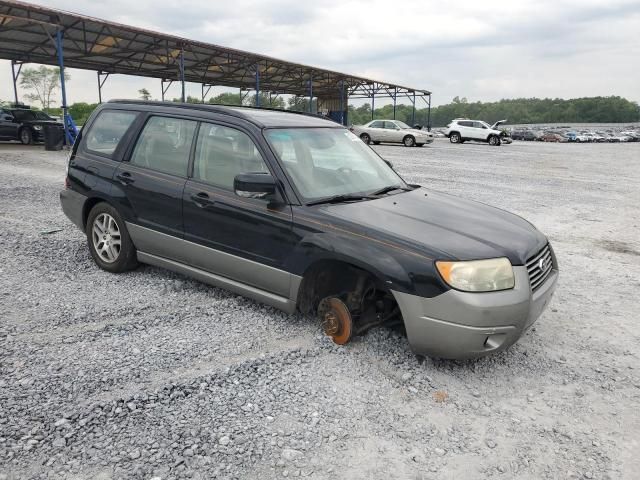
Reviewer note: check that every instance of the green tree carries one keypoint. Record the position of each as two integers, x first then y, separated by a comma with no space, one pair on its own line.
301,104
80,111
42,84
277,102
144,94
226,98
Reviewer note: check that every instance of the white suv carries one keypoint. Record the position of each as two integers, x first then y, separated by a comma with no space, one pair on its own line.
463,129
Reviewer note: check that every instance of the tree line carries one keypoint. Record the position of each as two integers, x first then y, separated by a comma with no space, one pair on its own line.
519,110
41,86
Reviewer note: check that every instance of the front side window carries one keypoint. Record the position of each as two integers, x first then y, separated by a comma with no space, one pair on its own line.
390,125
107,130
222,153
164,145
324,162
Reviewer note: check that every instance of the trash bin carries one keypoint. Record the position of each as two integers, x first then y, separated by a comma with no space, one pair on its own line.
53,137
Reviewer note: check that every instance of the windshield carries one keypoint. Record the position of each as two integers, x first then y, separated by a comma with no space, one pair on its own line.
485,124
324,162
402,124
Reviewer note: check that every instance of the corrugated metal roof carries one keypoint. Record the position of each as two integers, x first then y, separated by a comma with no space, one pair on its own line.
27,34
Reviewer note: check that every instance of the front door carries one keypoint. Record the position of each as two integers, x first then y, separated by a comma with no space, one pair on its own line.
153,181
244,239
391,132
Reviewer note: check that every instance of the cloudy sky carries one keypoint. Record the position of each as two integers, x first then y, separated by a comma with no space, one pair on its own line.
482,50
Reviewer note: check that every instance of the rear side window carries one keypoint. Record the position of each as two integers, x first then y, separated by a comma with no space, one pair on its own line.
164,145
376,124
107,130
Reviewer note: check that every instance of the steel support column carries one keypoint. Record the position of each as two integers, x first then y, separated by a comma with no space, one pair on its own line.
342,122
373,103
413,112
15,76
311,93
182,73
429,114
70,129
395,95
101,83
257,85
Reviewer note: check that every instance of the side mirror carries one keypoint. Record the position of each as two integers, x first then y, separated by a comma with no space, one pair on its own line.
254,185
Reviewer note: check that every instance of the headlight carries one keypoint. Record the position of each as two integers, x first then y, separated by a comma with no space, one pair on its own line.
37,127
478,275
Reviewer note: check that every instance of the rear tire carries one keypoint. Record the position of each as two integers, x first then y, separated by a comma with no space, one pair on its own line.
365,138
409,141
109,241
26,137
455,138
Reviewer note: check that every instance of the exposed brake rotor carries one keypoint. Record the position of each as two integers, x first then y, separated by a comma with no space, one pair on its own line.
336,320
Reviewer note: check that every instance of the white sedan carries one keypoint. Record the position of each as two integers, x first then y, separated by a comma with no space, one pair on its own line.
391,131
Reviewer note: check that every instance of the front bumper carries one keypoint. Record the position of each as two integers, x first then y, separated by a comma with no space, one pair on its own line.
461,325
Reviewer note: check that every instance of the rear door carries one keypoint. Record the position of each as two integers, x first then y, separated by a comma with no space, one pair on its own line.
100,149
151,183
245,239
376,131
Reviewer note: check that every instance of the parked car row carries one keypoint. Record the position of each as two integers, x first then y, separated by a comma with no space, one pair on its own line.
575,137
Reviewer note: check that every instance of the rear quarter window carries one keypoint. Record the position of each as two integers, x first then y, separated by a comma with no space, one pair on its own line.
107,130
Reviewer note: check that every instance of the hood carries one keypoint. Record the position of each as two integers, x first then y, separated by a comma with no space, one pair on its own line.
444,226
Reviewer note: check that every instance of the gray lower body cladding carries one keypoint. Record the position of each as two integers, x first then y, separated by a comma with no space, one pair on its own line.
466,325
252,279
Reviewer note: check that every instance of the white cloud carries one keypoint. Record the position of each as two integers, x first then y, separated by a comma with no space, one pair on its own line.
481,50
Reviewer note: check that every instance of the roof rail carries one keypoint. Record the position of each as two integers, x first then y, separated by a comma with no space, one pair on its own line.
216,107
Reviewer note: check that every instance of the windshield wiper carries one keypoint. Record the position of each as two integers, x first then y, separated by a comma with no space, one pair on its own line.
340,199
390,188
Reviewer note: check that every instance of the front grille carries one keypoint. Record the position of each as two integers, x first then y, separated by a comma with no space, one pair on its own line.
539,273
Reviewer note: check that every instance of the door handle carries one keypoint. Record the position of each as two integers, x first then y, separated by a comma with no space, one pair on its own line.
202,199
125,178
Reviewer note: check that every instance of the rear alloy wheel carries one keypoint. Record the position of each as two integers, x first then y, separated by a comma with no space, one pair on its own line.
455,137
365,138
409,141
26,137
336,320
494,140
109,242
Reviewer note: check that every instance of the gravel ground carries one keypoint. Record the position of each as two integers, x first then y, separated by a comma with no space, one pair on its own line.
153,375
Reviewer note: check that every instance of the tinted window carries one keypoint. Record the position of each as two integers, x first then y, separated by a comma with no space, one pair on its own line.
24,115
466,124
376,124
107,130
222,153
164,145
478,125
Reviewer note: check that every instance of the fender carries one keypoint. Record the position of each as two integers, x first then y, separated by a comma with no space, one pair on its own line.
398,269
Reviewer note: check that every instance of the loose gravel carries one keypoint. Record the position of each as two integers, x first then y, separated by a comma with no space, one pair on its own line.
150,375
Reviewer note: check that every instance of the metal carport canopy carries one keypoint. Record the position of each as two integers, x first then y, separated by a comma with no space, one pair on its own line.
27,34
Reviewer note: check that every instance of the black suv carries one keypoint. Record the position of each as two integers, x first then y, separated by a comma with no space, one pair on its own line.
295,211
24,124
